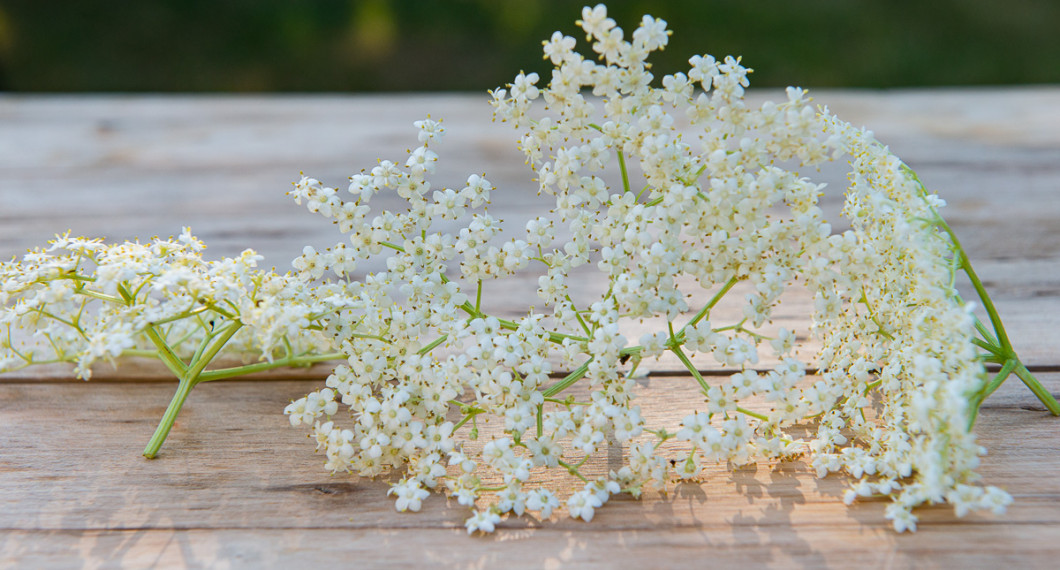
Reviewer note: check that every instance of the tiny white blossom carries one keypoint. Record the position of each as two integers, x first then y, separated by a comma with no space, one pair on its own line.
482,521
410,495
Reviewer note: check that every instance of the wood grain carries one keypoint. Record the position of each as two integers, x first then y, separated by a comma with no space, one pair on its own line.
235,486
236,483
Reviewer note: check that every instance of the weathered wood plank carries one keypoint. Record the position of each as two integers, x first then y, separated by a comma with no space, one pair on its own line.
987,547
71,463
235,485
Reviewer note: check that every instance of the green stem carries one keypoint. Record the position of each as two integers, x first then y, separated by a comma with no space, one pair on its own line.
471,413
710,305
59,352
568,381
992,349
1004,345
573,470
478,297
1043,395
578,315
397,248
162,431
553,336
754,415
294,362
68,277
987,335
988,304
433,345
184,315
188,380
11,346
205,342
56,318
989,388
622,168
676,349
100,296
540,420
872,315
207,356
165,352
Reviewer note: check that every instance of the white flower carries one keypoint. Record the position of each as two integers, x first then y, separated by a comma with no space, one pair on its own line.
410,495
543,501
482,521
429,129
559,47
595,21
545,451
524,86
583,504
670,197
652,33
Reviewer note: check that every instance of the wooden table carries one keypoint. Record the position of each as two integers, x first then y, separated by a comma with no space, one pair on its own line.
236,487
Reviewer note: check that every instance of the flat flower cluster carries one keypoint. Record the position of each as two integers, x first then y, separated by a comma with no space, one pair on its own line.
678,192
82,301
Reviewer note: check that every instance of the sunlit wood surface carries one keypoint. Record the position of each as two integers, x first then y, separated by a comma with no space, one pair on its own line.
235,486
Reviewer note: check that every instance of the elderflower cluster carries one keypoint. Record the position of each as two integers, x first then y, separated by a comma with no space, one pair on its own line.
684,198
81,301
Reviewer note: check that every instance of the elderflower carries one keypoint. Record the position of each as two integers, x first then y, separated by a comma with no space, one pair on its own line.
484,521
707,214
81,301
410,495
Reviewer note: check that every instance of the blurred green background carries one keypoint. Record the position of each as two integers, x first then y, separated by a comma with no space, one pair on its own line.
431,45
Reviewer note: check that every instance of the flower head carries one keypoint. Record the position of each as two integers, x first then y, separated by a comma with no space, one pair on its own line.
678,197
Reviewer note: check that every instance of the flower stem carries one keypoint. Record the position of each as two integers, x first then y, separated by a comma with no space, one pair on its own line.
1036,387
710,305
754,415
1004,345
575,375
166,423
293,361
676,349
625,174
989,388
188,380
572,469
